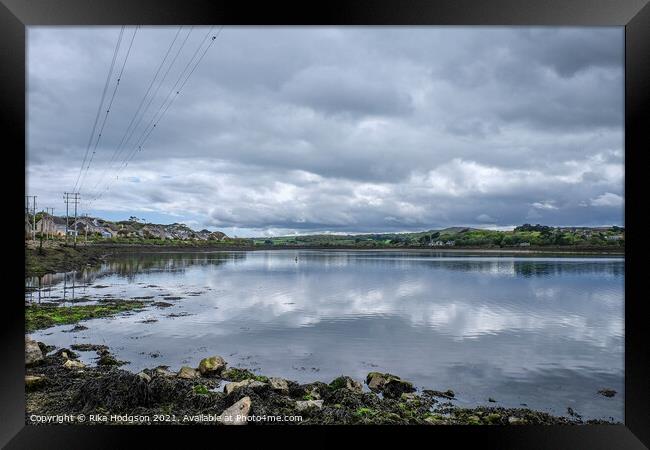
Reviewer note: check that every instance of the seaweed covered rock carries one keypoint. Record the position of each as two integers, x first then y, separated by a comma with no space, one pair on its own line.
377,380
345,382
115,391
212,366
391,386
107,359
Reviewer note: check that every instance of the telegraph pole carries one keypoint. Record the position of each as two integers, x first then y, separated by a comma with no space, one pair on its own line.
50,215
76,200
27,197
86,228
68,197
52,223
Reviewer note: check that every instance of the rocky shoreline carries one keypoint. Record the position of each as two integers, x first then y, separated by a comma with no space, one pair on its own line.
59,385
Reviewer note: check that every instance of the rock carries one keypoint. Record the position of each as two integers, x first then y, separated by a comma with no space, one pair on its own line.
306,404
347,383
34,381
73,364
395,387
377,380
188,373
65,353
162,371
279,385
237,413
313,390
106,359
449,394
143,376
33,353
607,392
231,387
408,397
212,366
493,419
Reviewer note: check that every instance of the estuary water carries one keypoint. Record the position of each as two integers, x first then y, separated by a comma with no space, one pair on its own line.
546,332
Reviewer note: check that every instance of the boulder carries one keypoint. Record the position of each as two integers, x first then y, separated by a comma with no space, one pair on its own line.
188,373
409,397
279,384
395,387
143,376
212,366
163,371
377,380
237,413
231,387
33,353
34,381
347,383
449,394
73,364
306,404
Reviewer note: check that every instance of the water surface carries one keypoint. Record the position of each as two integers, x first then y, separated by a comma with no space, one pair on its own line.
547,332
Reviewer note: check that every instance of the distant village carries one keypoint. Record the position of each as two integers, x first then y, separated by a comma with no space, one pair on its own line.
50,226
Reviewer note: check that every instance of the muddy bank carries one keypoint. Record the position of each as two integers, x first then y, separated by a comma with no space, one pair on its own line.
58,384
61,258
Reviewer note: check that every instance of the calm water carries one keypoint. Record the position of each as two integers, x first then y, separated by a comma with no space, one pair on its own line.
544,331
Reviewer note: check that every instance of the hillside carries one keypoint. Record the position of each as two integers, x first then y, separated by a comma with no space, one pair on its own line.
523,236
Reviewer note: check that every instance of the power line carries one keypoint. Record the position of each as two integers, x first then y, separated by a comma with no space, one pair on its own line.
129,131
145,135
99,108
108,109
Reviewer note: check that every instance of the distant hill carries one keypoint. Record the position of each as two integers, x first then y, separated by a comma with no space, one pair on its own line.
523,236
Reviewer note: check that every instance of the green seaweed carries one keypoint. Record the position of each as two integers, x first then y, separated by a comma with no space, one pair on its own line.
39,316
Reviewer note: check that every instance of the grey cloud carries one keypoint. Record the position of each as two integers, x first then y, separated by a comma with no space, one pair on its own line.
341,129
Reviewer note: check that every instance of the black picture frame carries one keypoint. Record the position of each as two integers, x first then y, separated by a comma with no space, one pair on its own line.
634,15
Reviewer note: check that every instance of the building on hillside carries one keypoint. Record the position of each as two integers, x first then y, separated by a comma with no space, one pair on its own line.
52,226
92,226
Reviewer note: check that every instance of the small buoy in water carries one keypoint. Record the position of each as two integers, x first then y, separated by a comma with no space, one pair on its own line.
296,259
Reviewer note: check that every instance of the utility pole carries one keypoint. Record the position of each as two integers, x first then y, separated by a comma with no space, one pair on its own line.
76,200
50,231
27,197
68,197
86,228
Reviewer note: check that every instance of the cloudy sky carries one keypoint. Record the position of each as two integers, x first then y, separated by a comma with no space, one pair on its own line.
297,130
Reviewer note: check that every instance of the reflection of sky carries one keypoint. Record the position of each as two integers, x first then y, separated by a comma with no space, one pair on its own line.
545,330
